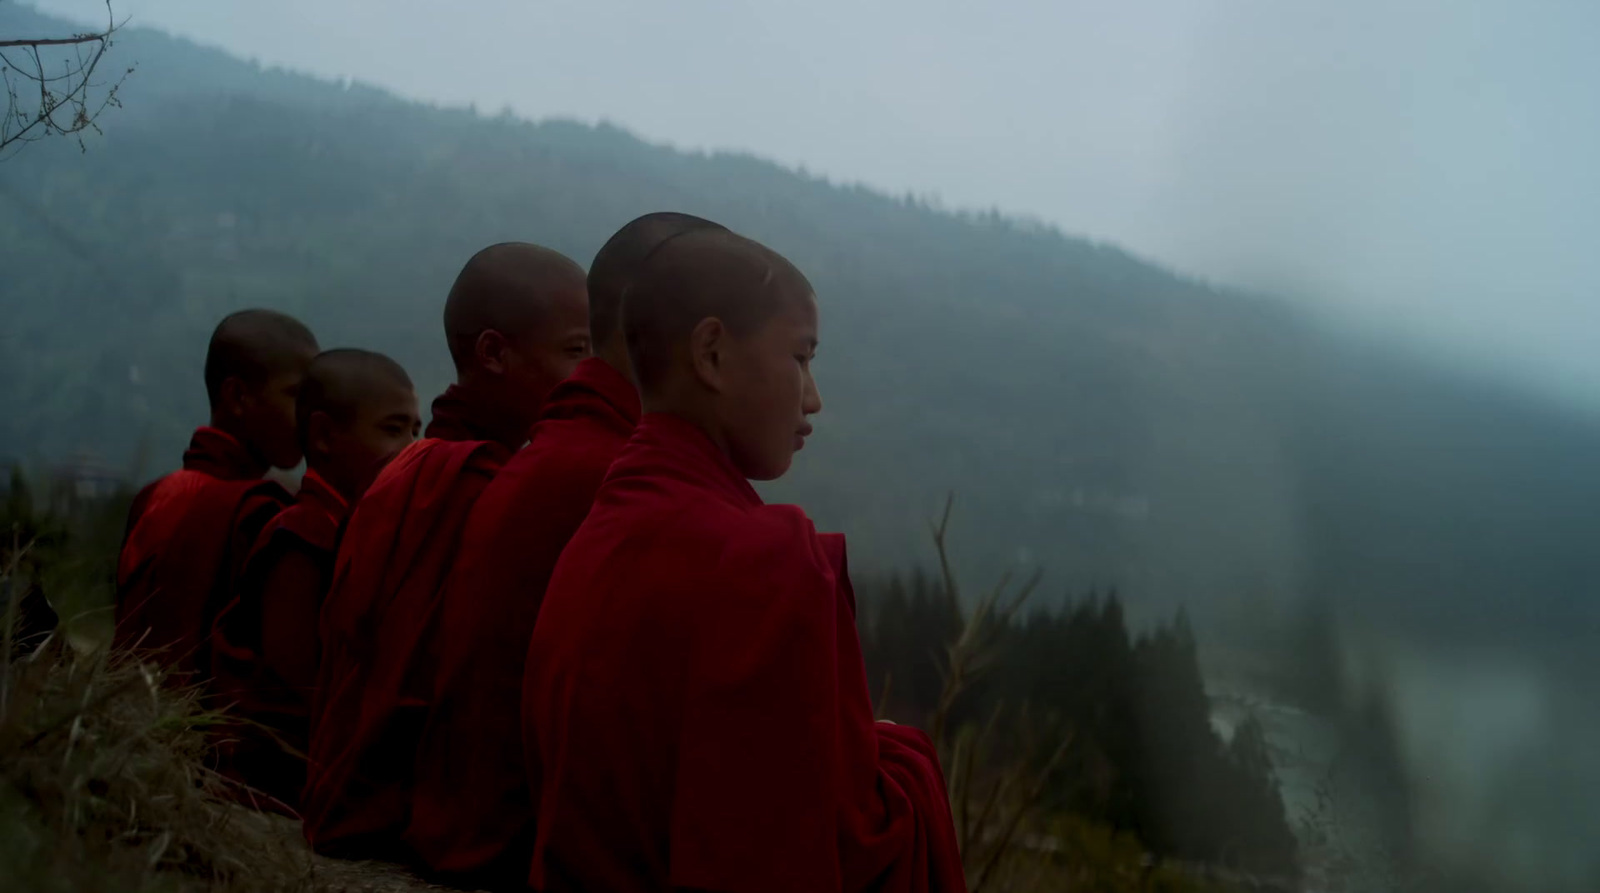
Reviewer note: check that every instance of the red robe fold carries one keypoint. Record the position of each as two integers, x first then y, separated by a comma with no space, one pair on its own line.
375,677
458,417
188,535
265,642
695,706
471,815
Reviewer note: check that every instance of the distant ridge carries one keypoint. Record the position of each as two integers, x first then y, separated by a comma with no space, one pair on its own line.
1096,414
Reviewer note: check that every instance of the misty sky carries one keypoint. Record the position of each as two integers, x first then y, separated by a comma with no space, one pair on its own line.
1431,165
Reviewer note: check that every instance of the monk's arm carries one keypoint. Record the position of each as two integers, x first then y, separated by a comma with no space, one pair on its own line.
256,511
754,801
291,598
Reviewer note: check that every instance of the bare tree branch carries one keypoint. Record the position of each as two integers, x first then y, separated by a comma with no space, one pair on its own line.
61,70
54,41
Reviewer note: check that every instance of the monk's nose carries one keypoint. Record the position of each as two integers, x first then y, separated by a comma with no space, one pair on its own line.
811,404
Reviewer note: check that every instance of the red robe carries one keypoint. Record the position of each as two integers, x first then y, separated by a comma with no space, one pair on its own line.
695,705
375,678
188,535
471,815
265,643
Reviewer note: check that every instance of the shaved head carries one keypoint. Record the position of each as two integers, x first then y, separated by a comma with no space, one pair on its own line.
618,263
254,345
508,288
699,274
340,382
356,411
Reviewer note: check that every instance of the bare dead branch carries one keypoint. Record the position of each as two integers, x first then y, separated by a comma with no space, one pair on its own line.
14,595
971,830
70,99
1030,799
939,531
53,41
988,821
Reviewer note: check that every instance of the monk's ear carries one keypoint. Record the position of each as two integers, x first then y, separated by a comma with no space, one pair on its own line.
492,351
708,342
232,397
319,434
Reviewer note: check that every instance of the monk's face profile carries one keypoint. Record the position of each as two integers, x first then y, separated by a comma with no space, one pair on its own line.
350,452
535,361
765,390
263,416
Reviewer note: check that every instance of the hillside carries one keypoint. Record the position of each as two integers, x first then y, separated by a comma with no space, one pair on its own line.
1096,414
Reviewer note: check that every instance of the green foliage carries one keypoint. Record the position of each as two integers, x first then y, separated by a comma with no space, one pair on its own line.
1144,757
1073,853
59,540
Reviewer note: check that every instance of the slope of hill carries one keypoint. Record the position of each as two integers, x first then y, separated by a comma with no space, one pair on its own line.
1095,414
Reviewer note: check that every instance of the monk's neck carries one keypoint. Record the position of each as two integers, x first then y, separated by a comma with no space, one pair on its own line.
473,410
333,479
250,460
694,415
615,354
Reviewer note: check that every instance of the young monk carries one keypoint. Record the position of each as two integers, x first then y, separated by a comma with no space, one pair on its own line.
356,411
471,817
517,323
189,532
695,706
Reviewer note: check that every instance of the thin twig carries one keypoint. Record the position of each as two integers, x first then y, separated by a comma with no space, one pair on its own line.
1035,791
14,596
70,91
967,767
939,532
53,41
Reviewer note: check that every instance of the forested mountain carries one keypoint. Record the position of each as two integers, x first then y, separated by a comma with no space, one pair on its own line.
1098,416
1095,414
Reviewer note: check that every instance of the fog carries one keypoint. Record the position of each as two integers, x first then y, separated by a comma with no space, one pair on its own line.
1423,169
1420,173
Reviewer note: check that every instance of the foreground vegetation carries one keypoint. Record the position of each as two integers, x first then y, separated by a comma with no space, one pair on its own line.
105,785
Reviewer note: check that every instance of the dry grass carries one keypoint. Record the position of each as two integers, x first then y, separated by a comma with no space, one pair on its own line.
104,786
993,805
997,773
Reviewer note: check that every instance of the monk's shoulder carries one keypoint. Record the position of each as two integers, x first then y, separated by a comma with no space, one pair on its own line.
256,503
564,458
146,493
170,493
789,528
299,527
771,546
143,501
263,496
434,462
430,464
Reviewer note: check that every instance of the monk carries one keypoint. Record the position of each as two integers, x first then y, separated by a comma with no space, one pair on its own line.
189,532
695,706
356,411
471,818
517,323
